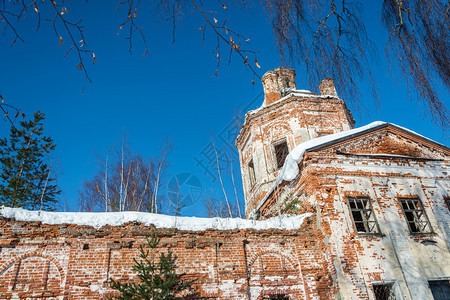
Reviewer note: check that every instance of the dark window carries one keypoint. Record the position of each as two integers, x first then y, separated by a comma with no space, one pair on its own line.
440,289
276,297
447,201
415,215
281,151
362,215
251,173
384,291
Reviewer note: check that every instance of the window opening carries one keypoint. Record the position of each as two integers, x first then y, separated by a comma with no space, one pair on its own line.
281,151
415,215
447,201
362,215
384,291
251,173
440,289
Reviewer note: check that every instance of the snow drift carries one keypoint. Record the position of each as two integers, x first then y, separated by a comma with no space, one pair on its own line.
98,219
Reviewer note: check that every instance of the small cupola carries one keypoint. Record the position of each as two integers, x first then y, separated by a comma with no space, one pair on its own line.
275,82
327,88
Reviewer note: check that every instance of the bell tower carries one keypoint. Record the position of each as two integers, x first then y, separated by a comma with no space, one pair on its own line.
286,118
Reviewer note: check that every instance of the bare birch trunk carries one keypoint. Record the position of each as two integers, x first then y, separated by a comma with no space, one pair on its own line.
106,185
234,187
220,178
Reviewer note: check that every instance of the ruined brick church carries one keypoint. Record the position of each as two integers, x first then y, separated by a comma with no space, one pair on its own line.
375,201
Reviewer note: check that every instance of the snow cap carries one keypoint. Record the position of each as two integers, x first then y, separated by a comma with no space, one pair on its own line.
99,219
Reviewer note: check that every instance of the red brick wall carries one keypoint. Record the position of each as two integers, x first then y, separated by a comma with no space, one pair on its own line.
77,262
394,255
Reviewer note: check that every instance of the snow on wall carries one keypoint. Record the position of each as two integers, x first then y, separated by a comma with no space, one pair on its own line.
394,256
297,121
78,262
292,93
97,220
290,168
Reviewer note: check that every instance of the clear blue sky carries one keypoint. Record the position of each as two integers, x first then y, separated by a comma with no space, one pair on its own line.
171,93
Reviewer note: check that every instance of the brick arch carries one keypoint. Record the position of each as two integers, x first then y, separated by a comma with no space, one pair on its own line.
321,120
278,273
31,274
273,263
273,129
11,261
260,253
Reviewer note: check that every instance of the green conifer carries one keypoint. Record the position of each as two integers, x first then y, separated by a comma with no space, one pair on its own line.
157,279
25,179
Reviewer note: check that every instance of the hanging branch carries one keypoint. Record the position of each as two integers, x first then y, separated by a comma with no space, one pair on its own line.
17,9
5,109
328,37
130,21
418,41
218,31
69,28
3,14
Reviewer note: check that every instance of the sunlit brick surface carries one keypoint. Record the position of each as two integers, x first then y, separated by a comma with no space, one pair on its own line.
77,262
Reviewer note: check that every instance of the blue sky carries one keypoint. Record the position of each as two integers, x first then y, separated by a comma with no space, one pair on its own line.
171,93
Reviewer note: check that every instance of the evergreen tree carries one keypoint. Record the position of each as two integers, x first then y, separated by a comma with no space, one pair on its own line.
25,179
157,280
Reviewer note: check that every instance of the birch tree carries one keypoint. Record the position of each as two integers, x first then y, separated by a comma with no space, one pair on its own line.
216,206
125,181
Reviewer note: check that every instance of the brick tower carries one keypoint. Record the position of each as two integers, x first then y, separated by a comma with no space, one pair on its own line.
287,118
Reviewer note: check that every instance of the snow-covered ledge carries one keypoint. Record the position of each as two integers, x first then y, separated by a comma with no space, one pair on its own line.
290,168
99,219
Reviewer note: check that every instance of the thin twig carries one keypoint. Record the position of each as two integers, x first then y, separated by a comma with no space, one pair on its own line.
231,44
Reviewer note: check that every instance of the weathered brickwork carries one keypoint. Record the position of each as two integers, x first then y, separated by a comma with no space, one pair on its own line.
384,165
360,234
297,117
77,262
332,174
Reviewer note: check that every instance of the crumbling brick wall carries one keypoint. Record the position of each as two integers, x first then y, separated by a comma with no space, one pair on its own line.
69,261
287,116
394,255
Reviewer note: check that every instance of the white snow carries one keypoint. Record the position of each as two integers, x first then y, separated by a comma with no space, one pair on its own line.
293,93
290,168
98,219
303,92
382,155
273,278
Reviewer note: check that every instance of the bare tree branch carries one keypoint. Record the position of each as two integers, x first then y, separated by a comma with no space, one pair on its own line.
419,43
125,181
218,29
328,37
